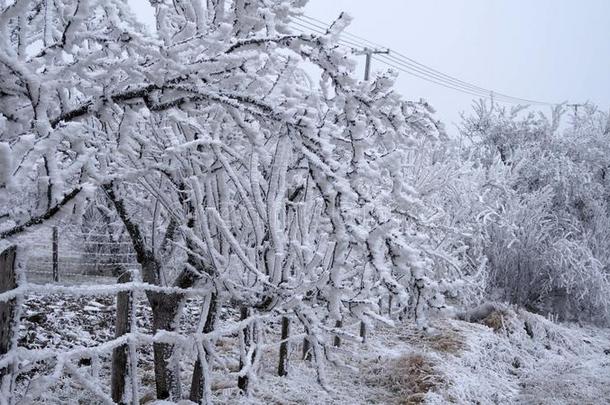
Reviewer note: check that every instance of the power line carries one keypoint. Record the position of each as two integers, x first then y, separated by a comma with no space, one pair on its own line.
304,27
408,65
420,73
414,68
456,85
440,83
411,64
414,71
324,25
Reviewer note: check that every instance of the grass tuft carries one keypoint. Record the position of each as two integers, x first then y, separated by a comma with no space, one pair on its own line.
407,379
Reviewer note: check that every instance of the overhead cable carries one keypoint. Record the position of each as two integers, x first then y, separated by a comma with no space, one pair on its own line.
406,64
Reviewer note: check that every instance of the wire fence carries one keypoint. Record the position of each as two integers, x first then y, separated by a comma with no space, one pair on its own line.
27,374
68,254
77,366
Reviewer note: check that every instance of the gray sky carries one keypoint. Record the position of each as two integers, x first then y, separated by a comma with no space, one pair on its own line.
548,50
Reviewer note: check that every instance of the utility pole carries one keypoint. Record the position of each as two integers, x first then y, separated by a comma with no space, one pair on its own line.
368,53
575,106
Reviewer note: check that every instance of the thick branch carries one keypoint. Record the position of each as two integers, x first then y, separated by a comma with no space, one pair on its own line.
44,217
86,107
285,40
233,100
137,239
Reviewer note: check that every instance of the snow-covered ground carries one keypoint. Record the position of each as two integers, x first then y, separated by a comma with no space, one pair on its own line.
514,357
511,357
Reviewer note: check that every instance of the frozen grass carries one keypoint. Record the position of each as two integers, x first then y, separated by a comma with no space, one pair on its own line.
515,357
509,357
406,379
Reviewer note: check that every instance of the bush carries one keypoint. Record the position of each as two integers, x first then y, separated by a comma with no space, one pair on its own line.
545,235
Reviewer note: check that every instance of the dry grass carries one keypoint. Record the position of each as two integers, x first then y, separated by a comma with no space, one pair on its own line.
442,341
406,379
446,342
496,320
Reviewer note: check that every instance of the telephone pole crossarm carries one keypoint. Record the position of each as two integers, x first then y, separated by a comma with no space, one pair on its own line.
575,107
369,52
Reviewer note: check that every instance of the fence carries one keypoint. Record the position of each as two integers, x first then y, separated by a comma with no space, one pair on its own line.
17,363
115,367
70,255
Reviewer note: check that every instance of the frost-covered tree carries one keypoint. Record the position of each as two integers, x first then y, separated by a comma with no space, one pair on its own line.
231,169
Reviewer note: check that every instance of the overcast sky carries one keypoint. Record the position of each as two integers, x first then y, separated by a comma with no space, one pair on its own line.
549,50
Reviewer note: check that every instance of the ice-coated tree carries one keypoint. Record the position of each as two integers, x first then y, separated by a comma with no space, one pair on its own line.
228,166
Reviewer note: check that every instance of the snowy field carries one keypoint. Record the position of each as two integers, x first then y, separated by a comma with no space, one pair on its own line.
510,357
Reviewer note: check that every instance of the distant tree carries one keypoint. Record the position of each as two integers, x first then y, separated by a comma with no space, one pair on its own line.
546,239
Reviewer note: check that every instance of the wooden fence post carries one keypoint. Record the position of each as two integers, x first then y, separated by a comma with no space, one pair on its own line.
337,339
119,354
8,281
282,368
363,331
247,338
55,255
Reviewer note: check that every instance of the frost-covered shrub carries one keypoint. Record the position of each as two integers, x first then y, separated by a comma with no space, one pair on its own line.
546,234
536,262
445,217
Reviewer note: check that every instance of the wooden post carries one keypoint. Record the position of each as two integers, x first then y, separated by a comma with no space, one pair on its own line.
247,337
8,281
119,354
282,368
55,255
363,331
337,340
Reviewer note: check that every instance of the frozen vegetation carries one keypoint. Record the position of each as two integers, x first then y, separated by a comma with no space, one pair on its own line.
296,235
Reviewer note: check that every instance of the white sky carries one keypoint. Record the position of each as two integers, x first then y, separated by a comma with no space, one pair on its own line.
548,50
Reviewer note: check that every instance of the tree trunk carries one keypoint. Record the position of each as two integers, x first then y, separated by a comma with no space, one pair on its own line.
306,350
282,368
119,354
247,336
198,383
8,281
165,308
